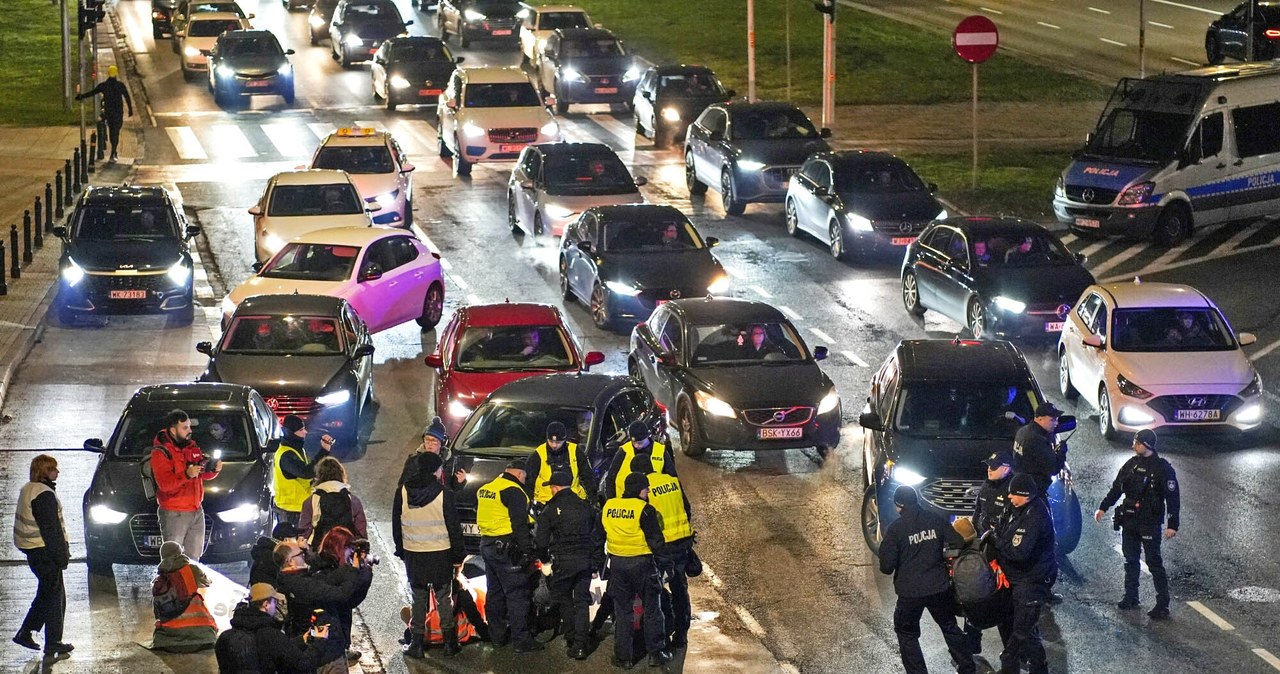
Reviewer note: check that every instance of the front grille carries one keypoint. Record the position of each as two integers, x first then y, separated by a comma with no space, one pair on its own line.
513,135
302,406
774,417
242,76
898,227
206,52
1168,406
955,496
660,294
777,176
605,80
1100,196
500,24
148,524
152,282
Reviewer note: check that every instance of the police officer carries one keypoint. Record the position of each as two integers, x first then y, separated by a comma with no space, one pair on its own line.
1033,450
502,515
1025,550
640,443
1149,485
292,471
668,497
556,454
567,535
114,97
993,496
633,534
912,552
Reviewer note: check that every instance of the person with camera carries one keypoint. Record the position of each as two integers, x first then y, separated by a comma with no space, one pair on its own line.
1025,549
331,587
567,536
256,644
331,504
180,469
292,471
428,537
339,551
506,544
1150,488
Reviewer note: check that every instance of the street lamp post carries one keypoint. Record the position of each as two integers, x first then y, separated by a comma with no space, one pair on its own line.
828,8
751,50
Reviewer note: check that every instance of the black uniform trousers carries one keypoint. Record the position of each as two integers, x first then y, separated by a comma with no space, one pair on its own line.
49,607
630,577
508,598
113,122
570,586
906,623
676,609
1024,643
1144,540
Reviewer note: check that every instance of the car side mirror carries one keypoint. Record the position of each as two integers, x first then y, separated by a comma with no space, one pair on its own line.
549,101
646,95
1246,338
642,181
205,347
870,421
289,52
820,353
1081,257
712,242
526,184
594,358
459,59
824,132
373,208
257,267
452,104
94,445
60,232
408,168
362,351
434,360
373,272
821,191
409,22
255,211
1093,341
585,246
1066,424
193,231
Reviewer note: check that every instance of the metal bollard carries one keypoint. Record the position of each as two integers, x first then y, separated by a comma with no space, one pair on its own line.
38,228
15,270
93,151
26,237
83,164
102,137
4,287
74,169
68,195
61,200
48,203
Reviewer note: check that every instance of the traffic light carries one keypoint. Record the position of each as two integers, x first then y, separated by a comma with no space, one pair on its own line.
826,7
91,12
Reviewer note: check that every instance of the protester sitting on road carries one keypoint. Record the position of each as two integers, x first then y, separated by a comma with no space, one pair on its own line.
183,624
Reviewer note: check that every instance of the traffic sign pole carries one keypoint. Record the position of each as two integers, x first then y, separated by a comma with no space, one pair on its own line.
975,40
973,174
751,51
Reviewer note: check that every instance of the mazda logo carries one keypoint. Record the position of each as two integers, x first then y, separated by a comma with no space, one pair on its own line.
1197,401
675,294
1087,195
1063,310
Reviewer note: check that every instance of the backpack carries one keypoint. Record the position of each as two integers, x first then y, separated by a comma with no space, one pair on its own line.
149,488
335,511
973,577
169,598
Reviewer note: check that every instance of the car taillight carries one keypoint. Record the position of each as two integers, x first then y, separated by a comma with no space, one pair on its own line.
1272,33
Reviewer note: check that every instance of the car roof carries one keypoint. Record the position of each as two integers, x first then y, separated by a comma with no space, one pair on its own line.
356,136
960,360
586,34
170,396
493,74
350,236
558,8
287,305
575,148
748,106
1141,294
855,157
312,177
401,39
634,212
247,33
725,310
127,194
214,16
509,313
570,389
985,225
681,68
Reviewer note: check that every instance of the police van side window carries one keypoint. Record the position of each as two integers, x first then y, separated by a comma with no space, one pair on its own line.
1256,131
1207,140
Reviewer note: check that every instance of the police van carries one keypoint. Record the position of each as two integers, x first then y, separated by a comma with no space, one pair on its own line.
1177,151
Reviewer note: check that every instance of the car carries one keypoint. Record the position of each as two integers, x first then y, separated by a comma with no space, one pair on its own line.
537,24
487,345
552,183
860,203
120,522
669,97
735,374
185,9
250,63
478,20
749,151
411,70
198,35
586,65
490,114
308,355
624,261
125,249
937,408
1228,36
359,27
387,275
1158,355
377,165
297,202
512,422
318,20
162,18
291,5
998,277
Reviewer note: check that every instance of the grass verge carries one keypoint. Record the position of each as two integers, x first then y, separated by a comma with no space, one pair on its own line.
31,57
1010,182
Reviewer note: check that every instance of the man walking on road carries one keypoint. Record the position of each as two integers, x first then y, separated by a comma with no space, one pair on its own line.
181,469
115,95
1025,550
41,534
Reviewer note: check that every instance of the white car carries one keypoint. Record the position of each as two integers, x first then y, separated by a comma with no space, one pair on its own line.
491,114
378,167
539,22
1157,355
297,202
387,275
198,36
553,183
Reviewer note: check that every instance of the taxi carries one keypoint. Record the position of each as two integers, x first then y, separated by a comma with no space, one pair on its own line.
378,167
297,202
196,39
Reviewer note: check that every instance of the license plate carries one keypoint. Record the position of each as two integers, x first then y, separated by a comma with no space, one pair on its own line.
256,83
502,31
429,92
470,529
511,147
902,240
1197,415
606,90
1093,223
153,541
780,433
1054,326
127,294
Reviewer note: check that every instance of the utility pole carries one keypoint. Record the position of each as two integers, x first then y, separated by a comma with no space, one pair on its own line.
1142,38
66,56
1248,41
828,7
751,50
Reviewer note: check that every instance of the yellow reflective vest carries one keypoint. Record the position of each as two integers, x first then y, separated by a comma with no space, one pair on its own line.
492,516
657,456
666,495
623,535
291,493
542,494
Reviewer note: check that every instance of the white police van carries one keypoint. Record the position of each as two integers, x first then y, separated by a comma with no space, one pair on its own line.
1177,151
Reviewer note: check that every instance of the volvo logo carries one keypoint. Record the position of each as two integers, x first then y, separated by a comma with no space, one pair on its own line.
904,227
1197,401
674,294
780,415
1087,195
1063,310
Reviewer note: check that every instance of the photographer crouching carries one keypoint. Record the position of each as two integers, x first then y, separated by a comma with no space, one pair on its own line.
336,579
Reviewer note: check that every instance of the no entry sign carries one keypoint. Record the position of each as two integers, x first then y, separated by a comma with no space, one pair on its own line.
975,39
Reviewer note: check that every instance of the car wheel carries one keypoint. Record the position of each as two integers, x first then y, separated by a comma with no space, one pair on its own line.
1064,377
562,105
633,370
157,34
663,136
288,96
691,176
729,197
313,38
344,61
539,228
391,102
911,294
187,75
871,520
463,40
792,218
408,212
565,291
461,167
97,565
432,307
1068,537
174,45
187,314
600,312
687,426
512,221
640,128
1105,425
1173,225
445,152
220,97
976,319
1212,50
836,242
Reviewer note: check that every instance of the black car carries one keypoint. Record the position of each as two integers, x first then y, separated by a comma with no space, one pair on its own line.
735,375
359,27
513,421
125,250
1228,36
412,70
749,151
308,355
626,260
937,408
860,203
318,20
162,18
999,277
668,99
586,65
120,524
250,63
479,20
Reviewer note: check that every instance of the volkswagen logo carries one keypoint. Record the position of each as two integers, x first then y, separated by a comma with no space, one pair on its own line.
1063,310
674,294
904,227
272,403
1087,195
1197,401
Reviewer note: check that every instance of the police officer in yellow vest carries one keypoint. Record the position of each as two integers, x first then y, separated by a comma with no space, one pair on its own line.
668,497
659,455
502,515
291,472
557,454
633,535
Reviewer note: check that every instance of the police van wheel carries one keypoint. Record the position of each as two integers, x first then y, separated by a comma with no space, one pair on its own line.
687,425
1173,225
871,520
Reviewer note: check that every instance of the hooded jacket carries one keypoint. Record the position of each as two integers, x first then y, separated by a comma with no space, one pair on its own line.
262,567
422,488
255,644
1025,544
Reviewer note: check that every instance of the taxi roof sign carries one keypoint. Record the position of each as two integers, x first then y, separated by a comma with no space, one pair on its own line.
353,131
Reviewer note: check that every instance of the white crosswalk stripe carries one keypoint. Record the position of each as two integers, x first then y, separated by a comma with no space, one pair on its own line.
185,142
321,129
290,140
229,141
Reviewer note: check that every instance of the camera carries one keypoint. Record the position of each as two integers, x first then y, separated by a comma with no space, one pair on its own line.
361,547
211,462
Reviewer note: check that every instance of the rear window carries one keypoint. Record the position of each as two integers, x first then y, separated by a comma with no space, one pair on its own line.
586,174
303,200
223,430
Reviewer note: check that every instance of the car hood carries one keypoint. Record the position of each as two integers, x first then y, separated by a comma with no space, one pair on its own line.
788,151
423,71
756,386
581,202
288,227
259,285
118,484
608,65
951,458
914,207
278,375
1229,369
1107,175
482,470
370,185
203,43
1057,284
471,388
498,118
682,269
113,255
689,106
255,65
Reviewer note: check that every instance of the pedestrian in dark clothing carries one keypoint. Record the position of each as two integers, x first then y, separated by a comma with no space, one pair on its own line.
1149,485
1025,549
255,644
428,537
262,568
567,536
506,544
993,497
292,471
1033,449
912,551
41,534
334,588
633,536
115,95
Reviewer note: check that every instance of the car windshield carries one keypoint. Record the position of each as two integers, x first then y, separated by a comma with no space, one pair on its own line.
558,20
878,176
312,262
514,349
382,12
513,428
253,46
963,409
772,124
309,200
591,48
420,50
501,95
1019,249
1140,135
650,236
225,430
231,7
1170,329
277,335
690,84
745,344
211,27
355,159
586,174
499,9
125,223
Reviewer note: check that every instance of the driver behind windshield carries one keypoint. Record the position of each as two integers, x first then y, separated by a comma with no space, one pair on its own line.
756,344
1186,331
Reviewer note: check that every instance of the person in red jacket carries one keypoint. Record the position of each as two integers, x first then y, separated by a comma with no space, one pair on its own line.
180,471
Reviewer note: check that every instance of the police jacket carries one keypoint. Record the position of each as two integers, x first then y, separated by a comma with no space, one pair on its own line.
991,503
912,552
567,531
1025,544
516,502
539,472
114,96
333,590
1148,484
620,466
1033,453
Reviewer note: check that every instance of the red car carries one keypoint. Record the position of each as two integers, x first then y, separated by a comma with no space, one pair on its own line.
488,345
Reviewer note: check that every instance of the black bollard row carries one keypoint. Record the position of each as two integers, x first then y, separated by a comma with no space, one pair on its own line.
102,137
39,226
26,237
4,287
93,152
15,269
74,169
83,164
57,178
48,202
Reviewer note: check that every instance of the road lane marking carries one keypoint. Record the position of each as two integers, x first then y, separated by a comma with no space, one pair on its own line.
1267,657
790,313
1100,11
1157,24
229,141
1211,616
289,139
321,129
1185,61
991,11
1265,350
185,142
854,358
473,298
1048,25
460,283
1193,8
822,335
445,264
1118,44
762,292
1116,261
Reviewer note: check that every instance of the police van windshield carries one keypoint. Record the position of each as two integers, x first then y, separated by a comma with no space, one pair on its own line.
1139,135
211,429
513,428
963,409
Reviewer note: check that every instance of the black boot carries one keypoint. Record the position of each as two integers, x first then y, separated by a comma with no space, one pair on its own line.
451,647
415,647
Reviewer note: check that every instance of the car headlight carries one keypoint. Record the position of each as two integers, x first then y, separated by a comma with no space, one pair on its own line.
1249,414
573,75
228,307
352,40
101,514
1131,389
316,21
226,71
244,513
829,402
632,74
1133,416
671,114
1254,388
272,243
557,211
457,409
905,476
191,51
473,15
1060,187
179,273
750,165
622,288
551,129
335,398
858,223
1136,194
72,273
284,70
719,286
942,215
471,130
398,82
713,405
1009,304
387,199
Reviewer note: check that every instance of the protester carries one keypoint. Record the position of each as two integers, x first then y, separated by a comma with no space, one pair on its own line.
331,504
183,623
255,644
180,469
337,555
428,537
434,438
41,534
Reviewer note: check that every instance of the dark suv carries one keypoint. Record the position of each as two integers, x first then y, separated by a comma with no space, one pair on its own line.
669,97
162,18
359,27
938,408
479,20
125,249
586,65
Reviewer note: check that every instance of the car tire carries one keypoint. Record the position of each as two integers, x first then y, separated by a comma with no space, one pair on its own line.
391,102
187,75
600,311
313,38
640,128
98,566
687,427
1069,536
566,292
432,307
461,167
344,61
633,370
792,219
1064,377
663,137
177,49
870,520
220,98
408,212
187,314
836,241
1212,50
975,318
728,195
157,34
911,294
562,106
443,147
1106,427
695,186
1173,225
288,96
463,40
512,221
539,228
